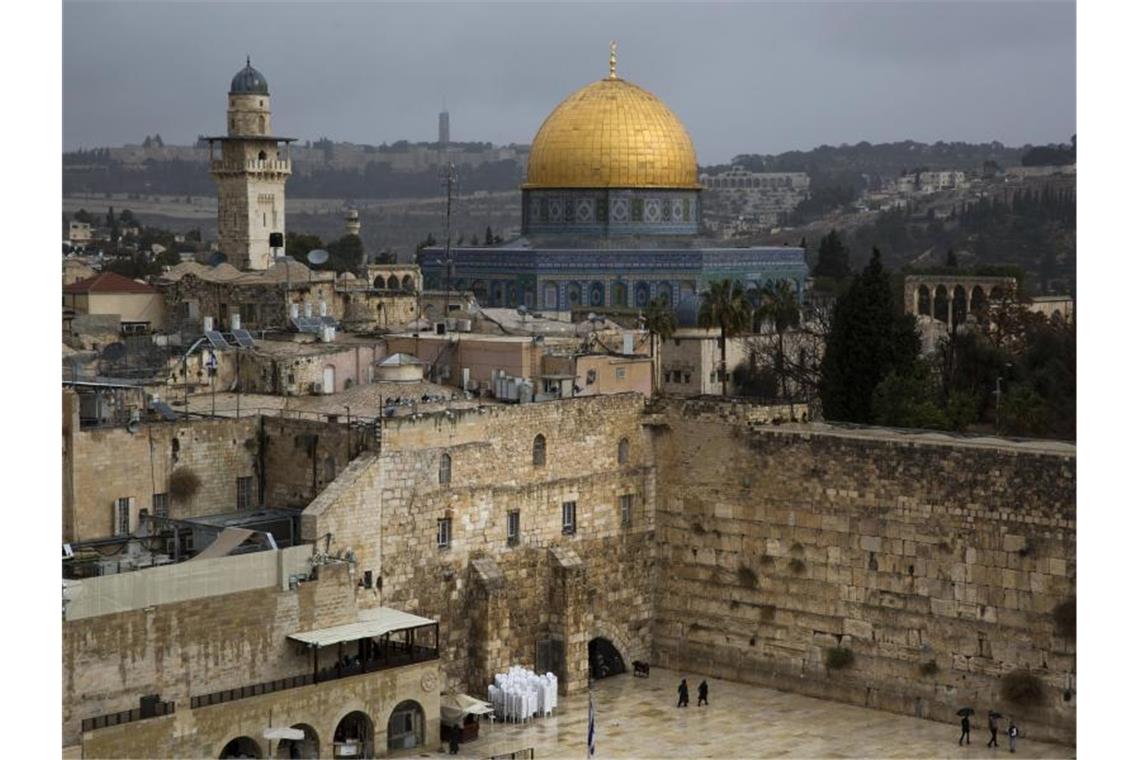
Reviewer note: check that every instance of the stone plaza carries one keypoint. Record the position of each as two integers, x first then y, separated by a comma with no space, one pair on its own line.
638,717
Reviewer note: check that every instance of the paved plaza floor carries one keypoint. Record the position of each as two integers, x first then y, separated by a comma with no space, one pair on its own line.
638,717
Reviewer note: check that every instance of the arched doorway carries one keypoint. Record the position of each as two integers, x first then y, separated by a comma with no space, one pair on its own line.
605,659
941,304
300,749
354,736
597,294
574,294
924,300
406,726
959,305
393,283
977,300
242,746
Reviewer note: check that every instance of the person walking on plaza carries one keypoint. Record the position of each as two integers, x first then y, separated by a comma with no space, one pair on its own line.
453,741
965,730
683,694
703,693
993,726
1013,734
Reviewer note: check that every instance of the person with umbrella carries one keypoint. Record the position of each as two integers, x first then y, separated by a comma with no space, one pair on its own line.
993,726
965,712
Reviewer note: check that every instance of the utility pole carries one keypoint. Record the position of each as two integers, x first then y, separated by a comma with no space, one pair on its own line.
449,181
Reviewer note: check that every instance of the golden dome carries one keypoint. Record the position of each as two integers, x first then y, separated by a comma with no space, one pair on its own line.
612,134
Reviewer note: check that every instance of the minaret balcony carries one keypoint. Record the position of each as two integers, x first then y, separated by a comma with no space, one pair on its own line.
269,165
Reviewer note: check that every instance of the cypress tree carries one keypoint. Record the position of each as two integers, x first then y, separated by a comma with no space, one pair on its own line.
869,338
832,260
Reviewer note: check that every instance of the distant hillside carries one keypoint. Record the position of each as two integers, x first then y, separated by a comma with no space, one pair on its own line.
863,166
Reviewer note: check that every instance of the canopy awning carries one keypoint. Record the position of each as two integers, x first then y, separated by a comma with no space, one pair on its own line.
454,708
228,540
369,624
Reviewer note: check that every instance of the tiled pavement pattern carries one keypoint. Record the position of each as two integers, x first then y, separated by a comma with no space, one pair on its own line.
638,717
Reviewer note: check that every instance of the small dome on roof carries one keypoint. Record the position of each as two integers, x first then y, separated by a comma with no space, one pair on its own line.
249,81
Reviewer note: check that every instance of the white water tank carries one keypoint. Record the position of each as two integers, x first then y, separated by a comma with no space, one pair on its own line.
207,324
235,322
328,333
308,310
627,343
294,311
324,308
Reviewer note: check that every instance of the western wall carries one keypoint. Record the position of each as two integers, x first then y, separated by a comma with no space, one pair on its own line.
754,549
936,561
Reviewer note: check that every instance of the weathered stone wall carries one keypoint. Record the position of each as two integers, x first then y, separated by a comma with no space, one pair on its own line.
102,465
302,456
299,371
777,544
205,731
200,646
386,508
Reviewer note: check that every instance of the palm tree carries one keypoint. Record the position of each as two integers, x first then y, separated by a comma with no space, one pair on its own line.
779,306
723,305
661,322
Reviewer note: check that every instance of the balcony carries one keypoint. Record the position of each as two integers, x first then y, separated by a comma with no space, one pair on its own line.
148,708
274,166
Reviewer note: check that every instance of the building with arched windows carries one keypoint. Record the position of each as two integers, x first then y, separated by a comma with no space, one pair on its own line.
611,216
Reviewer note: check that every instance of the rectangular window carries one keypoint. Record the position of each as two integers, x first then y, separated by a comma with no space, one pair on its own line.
512,527
443,533
569,517
248,313
626,503
122,516
245,493
160,505
619,373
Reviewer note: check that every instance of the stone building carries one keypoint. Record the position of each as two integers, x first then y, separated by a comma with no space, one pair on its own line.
760,198
611,216
137,305
934,295
250,169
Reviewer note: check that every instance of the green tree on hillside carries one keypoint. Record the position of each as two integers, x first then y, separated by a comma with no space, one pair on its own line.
778,306
345,254
833,258
870,337
723,305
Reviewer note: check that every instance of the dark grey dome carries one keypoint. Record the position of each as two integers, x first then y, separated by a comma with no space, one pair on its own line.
249,81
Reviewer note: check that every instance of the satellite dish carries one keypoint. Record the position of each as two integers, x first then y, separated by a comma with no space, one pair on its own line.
521,310
217,258
133,426
317,256
114,352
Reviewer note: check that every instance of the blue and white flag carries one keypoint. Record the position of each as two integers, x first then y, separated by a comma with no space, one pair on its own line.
590,734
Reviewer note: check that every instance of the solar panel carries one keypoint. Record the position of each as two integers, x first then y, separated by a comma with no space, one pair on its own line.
330,321
217,340
164,410
244,339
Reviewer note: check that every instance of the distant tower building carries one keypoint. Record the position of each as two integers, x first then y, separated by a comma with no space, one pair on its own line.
251,171
352,223
444,130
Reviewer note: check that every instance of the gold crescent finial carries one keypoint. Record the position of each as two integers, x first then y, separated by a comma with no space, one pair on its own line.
613,59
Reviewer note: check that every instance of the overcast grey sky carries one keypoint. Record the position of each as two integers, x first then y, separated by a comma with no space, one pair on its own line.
744,78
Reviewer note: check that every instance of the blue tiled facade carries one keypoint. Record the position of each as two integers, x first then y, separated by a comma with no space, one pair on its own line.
607,248
562,279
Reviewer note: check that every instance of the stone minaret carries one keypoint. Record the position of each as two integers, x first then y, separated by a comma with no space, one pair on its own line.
251,171
352,222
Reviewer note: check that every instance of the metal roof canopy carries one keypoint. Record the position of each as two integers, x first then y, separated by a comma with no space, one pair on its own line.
369,624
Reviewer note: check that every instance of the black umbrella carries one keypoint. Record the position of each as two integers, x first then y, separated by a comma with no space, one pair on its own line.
965,712
995,715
